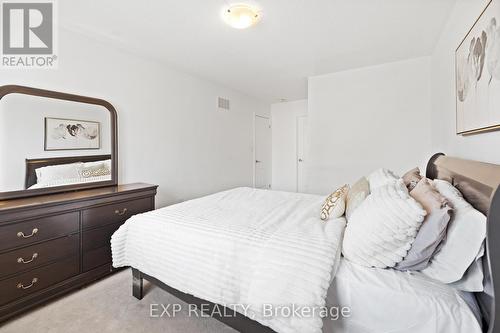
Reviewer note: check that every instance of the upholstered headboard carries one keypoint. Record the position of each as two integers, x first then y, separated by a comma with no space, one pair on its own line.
33,164
479,184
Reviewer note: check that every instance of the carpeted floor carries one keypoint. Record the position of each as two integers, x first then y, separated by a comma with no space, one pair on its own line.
108,306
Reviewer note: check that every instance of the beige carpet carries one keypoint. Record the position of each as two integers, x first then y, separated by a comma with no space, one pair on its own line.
108,306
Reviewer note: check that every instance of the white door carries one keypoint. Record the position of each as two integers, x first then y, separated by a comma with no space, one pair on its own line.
301,153
262,169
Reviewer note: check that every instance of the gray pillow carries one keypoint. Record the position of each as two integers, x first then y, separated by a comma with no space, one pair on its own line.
430,235
433,229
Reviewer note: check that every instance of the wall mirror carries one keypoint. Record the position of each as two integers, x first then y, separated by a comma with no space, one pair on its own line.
54,142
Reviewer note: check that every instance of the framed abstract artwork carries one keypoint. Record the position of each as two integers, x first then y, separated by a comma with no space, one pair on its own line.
68,134
477,64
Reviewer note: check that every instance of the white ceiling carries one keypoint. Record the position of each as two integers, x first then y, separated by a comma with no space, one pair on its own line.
272,60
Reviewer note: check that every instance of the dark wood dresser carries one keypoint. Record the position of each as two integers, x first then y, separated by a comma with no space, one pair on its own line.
55,243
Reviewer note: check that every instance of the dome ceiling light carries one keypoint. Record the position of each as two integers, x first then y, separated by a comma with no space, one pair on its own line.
241,16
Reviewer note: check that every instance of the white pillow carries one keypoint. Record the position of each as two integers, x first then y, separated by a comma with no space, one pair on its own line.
472,281
70,181
57,172
382,229
52,173
464,238
107,163
380,178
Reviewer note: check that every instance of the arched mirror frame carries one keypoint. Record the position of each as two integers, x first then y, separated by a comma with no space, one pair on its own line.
15,89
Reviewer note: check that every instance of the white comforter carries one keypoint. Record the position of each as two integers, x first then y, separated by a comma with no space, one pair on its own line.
240,247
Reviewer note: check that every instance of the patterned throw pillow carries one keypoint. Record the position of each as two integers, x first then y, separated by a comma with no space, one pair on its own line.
334,205
94,171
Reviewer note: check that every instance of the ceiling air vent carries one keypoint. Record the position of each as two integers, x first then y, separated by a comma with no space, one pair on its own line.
223,103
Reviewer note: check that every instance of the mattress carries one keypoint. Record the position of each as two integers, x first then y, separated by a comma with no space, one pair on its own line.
383,300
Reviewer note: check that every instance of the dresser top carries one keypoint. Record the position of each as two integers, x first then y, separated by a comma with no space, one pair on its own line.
51,199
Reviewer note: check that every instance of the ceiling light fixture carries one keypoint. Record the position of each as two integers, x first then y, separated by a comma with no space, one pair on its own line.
240,16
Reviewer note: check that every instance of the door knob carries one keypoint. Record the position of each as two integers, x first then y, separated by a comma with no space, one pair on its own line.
300,160
257,161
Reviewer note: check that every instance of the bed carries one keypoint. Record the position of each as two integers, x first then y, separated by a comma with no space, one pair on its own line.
323,279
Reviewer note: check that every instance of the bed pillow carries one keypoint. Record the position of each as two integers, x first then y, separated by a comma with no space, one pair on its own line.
464,238
57,172
334,205
356,195
382,229
472,281
411,178
106,163
380,178
433,229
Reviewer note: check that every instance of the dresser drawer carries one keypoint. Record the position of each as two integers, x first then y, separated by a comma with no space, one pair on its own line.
37,279
114,213
97,257
36,255
99,237
31,231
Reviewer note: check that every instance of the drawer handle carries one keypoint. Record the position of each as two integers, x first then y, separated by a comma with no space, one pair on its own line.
22,286
21,234
122,212
22,261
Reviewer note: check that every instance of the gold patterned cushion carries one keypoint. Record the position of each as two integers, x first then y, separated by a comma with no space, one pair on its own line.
94,171
334,205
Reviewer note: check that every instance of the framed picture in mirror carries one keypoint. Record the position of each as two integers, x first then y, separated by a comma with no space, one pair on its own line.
70,134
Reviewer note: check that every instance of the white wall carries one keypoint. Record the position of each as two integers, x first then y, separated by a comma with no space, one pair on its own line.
170,132
284,143
367,118
483,147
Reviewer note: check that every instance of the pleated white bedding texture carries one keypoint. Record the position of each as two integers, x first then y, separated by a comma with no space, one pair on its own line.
242,246
390,301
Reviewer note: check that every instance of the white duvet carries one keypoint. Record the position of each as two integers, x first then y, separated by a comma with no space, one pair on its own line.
262,249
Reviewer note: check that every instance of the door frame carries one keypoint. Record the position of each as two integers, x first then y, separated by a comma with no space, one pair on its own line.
255,115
